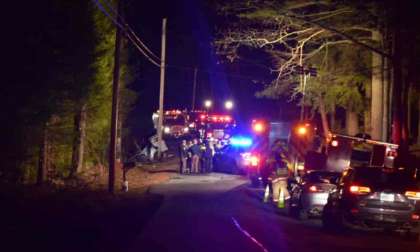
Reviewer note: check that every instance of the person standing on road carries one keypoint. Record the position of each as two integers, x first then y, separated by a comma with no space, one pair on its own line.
202,145
279,179
195,159
208,158
183,157
189,156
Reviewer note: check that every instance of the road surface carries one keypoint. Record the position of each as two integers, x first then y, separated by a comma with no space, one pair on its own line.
219,212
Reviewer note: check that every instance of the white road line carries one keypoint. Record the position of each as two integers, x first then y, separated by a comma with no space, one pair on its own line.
236,223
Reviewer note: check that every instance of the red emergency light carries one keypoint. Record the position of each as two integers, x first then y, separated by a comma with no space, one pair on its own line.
220,118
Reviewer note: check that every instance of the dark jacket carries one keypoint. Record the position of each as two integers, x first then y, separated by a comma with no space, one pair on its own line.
195,150
183,151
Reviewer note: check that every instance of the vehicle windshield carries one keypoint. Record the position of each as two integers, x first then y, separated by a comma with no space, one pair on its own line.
322,177
379,178
219,125
177,120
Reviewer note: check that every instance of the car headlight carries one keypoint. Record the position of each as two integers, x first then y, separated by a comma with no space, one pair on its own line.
167,130
186,129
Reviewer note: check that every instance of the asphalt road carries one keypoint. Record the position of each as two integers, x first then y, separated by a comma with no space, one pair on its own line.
220,212
215,212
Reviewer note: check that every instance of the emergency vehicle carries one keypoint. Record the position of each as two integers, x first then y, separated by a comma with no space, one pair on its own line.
347,151
175,123
196,122
218,126
266,134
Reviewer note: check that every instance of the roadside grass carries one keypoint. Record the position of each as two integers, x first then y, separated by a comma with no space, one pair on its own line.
78,215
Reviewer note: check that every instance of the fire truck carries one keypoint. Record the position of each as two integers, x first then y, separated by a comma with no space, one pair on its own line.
347,151
175,123
218,126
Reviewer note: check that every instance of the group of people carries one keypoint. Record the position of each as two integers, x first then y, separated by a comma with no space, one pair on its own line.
196,156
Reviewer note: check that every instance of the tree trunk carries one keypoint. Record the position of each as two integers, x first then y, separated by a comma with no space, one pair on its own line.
332,120
377,91
352,123
43,160
366,113
79,141
418,123
386,89
324,117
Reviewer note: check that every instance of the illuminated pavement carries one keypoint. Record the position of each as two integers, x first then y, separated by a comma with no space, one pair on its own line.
221,213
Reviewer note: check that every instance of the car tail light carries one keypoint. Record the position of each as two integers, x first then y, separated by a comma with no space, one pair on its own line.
254,160
412,195
415,217
315,189
359,190
354,210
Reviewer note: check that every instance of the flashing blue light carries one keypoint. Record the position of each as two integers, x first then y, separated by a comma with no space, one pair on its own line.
241,141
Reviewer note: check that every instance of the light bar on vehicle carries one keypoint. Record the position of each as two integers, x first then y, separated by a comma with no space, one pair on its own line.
241,141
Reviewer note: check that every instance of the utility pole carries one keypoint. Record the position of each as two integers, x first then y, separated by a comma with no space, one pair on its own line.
162,87
194,89
114,116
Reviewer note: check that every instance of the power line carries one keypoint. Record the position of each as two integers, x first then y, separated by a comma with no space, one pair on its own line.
107,3
102,9
140,45
212,72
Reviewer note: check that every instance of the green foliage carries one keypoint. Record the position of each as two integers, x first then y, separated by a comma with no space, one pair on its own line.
342,76
71,67
282,30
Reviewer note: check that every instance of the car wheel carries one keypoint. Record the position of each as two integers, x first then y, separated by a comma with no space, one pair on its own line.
330,220
303,215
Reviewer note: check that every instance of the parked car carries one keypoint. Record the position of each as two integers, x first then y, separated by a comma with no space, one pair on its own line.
372,197
308,197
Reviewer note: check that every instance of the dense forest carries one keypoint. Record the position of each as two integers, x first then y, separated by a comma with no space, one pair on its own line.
57,98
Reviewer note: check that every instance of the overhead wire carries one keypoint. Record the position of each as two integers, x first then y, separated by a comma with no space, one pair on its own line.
115,21
109,4
141,46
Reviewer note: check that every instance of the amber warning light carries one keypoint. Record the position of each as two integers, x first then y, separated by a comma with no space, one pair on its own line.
301,130
258,127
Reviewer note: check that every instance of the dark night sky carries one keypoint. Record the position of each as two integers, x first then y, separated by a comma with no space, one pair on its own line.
191,26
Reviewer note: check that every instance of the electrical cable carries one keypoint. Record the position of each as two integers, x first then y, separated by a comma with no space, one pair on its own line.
136,41
107,3
102,9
